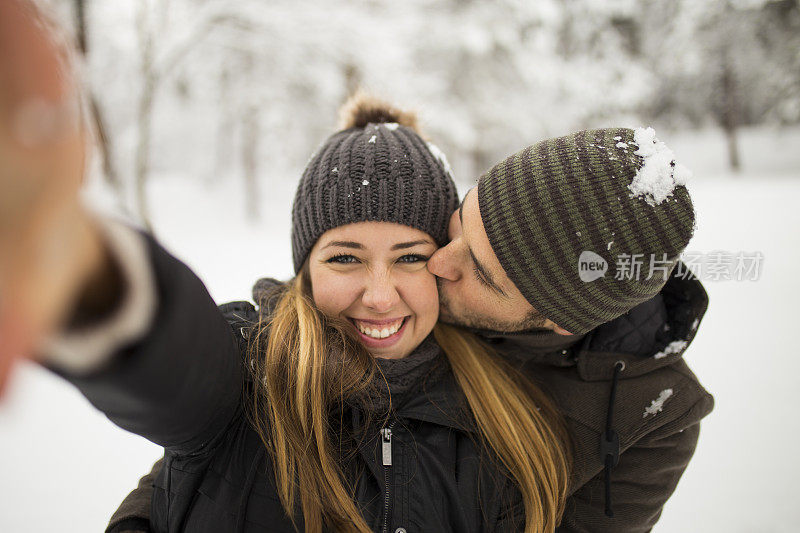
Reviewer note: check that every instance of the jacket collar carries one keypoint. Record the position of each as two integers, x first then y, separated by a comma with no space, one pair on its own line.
440,401
437,399
539,345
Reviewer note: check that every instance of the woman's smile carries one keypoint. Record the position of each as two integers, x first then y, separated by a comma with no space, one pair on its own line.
380,333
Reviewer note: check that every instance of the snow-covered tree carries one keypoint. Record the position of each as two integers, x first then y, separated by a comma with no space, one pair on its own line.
245,89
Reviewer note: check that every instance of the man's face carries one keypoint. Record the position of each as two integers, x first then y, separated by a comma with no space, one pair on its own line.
474,290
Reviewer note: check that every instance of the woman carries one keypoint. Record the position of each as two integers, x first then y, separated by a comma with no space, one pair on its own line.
343,371
339,404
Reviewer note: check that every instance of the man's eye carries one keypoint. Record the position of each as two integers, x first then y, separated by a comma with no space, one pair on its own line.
413,258
480,277
342,259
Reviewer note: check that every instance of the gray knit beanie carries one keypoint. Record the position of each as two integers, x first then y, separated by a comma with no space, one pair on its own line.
377,168
588,225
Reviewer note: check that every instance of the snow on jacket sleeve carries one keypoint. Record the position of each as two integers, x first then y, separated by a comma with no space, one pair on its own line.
179,383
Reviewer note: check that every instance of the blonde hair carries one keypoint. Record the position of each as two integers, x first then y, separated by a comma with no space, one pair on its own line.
305,364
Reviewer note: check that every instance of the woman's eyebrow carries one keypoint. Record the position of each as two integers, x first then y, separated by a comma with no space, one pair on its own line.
404,245
359,246
345,244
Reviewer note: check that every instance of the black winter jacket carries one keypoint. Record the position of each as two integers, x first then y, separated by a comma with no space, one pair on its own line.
181,386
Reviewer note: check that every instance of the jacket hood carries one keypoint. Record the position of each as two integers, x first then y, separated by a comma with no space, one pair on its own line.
652,335
266,292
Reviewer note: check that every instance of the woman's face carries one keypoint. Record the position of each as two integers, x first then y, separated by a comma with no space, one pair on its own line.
374,275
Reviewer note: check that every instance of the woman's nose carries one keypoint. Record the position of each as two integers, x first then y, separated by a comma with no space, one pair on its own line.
380,294
443,263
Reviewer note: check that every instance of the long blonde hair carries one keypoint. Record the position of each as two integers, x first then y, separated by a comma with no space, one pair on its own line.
305,364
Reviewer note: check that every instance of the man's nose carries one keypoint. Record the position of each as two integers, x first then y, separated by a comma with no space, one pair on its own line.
380,293
443,263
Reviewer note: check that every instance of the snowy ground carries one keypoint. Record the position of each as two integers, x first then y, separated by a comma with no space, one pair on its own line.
66,468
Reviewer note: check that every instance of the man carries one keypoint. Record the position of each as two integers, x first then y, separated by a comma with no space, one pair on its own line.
565,259
518,270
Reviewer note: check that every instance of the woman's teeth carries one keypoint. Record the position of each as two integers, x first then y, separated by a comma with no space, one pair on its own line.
385,330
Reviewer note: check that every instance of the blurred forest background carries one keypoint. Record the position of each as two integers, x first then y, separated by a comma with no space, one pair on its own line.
245,89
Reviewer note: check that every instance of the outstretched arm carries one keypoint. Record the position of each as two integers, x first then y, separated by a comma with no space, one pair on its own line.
163,362
173,373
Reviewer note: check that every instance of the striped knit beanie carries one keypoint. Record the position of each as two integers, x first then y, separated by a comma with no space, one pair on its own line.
588,225
377,168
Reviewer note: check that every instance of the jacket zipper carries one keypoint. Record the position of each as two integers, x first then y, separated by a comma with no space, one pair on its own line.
386,448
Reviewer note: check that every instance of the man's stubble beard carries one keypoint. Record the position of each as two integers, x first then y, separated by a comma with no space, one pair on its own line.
469,319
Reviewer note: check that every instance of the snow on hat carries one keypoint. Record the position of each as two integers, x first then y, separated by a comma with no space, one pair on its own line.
588,225
378,168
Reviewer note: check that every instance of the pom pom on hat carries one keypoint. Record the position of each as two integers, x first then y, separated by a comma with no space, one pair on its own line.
362,109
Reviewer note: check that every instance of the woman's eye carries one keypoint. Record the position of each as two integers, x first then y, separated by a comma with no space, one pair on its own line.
413,258
342,259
